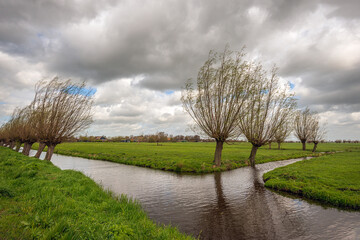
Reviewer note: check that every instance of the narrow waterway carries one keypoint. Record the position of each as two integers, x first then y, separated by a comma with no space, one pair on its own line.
228,205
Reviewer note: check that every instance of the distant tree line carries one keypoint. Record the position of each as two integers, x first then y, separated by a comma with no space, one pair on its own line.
59,110
160,137
346,141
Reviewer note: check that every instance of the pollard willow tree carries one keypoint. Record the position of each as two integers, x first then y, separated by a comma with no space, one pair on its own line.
266,110
12,129
63,108
20,129
27,128
7,137
318,132
222,87
283,132
2,136
303,123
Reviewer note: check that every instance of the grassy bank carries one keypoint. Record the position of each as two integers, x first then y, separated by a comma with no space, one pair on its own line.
187,157
332,179
40,201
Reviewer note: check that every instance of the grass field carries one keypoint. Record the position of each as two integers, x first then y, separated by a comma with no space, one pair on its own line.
332,179
187,157
40,201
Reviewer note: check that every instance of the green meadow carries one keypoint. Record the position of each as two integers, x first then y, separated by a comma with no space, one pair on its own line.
332,179
40,201
189,157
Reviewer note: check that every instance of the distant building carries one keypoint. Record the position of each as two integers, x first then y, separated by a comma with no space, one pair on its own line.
101,138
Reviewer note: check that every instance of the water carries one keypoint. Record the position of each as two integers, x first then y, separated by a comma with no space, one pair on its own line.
228,205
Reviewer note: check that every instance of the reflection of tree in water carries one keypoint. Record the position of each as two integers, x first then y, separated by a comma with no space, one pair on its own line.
257,212
261,215
217,220
265,213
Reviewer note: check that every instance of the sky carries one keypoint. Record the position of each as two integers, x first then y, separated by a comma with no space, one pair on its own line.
137,55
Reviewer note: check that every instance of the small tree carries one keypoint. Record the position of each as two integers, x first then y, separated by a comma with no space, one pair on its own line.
14,128
2,136
222,87
303,123
63,109
282,133
6,134
318,132
11,131
267,109
27,128
270,141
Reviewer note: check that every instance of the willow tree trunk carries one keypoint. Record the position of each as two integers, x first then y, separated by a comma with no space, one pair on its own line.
218,152
27,148
252,155
315,146
24,149
303,145
18,145
269,145
279,145
12,145
40,149
50,151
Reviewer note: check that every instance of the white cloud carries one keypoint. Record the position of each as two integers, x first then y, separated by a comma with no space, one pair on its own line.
18,77
125,109
257,15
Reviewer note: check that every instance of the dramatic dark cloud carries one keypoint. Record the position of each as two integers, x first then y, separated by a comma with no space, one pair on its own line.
138,54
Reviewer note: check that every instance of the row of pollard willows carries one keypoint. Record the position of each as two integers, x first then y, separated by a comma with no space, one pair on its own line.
306,127
233,97
60,109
